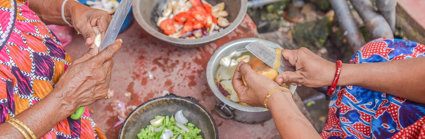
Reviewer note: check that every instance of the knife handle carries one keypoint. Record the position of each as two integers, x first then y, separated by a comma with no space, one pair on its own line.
78,113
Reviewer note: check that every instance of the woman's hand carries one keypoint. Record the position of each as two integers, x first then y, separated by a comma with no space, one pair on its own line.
311,69
87,79
85,19
257,85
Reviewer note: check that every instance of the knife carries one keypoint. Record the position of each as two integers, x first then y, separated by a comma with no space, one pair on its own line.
116,23
267,54
110,36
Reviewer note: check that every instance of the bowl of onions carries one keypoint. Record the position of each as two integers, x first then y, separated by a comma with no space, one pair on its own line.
170,117
189,23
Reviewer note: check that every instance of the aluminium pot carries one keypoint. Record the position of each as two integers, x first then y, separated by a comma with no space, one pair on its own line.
226,108
169,105
146,13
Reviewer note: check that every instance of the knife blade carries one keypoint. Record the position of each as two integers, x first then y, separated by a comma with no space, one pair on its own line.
116,23
267,54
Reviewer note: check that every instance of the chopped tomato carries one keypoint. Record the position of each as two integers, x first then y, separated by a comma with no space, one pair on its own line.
214,20
197,25
208,8
198,9
188,26
168,26
196,2
181,17
198,15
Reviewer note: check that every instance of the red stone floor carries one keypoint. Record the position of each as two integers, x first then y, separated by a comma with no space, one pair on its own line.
177,70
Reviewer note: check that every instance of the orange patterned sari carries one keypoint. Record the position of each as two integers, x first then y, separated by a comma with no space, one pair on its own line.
31,62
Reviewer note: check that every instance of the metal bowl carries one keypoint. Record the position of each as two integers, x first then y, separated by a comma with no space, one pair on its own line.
147,12
169,105
226,108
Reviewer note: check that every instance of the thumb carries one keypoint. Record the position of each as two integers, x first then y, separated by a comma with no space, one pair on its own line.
109,51
245,69
93,50
290,77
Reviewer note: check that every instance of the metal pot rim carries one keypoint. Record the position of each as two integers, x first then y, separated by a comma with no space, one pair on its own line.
211,71
238,20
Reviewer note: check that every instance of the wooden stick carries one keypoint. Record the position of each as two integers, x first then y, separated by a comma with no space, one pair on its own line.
387,9
346,21
375,23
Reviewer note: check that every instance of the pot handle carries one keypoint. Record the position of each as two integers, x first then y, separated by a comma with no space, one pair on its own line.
224,111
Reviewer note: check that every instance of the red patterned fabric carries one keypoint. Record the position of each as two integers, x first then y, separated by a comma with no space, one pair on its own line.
356,112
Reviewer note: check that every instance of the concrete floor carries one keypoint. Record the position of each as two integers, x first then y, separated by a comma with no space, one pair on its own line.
176,70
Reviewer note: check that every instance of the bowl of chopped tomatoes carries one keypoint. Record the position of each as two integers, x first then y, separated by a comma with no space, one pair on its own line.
189,23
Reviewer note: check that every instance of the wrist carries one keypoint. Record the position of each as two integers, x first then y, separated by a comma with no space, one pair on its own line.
275,98
58,100
348,75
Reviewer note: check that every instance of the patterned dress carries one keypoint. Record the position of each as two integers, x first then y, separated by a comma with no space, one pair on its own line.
31,62
356,112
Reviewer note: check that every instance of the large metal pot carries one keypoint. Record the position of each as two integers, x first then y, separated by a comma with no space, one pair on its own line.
169,105
147,13
225,107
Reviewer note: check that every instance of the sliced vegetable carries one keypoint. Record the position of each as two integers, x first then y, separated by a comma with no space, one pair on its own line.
170,129
196,2
197,25
180,117
157,121
182,127
167,26
183,19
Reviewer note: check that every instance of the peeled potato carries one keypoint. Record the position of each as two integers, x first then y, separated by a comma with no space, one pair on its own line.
260,67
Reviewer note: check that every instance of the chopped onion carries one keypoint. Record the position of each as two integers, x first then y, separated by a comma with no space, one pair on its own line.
186,34
182,127
167,134
157,121
180,117
157,129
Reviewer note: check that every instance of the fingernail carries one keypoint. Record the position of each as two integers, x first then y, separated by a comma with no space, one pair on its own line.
120,40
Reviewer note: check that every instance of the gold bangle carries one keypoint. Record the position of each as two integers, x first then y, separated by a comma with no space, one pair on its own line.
29,131
266,100
19,129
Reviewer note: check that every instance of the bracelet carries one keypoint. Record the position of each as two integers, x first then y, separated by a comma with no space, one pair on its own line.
331,88
27,129
63,13
266,99
19,129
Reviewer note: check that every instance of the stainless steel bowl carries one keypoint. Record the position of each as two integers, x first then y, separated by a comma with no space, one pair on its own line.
226,108
169,105
147,12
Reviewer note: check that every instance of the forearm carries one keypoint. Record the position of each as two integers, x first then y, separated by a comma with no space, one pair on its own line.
40,118
289,120
403,78
50,10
